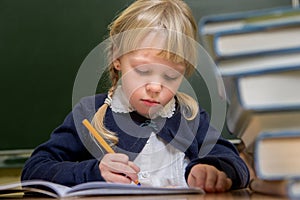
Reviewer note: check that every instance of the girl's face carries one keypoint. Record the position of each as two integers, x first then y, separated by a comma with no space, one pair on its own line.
148,80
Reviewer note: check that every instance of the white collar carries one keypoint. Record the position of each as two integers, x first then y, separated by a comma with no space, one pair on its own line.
120,104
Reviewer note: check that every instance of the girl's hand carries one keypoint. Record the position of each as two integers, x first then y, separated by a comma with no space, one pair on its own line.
209,178
116,168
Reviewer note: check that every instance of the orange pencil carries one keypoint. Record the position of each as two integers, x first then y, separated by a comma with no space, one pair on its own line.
102,142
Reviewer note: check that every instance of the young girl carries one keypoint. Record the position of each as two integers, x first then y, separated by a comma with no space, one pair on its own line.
156,131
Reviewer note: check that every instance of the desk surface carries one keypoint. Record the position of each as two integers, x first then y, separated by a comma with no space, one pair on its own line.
233,195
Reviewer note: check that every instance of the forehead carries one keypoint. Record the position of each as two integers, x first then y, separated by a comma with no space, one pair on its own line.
179,47
151,56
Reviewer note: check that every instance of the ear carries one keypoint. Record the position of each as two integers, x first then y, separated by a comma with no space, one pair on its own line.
117,64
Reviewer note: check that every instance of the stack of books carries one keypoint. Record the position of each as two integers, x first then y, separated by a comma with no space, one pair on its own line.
258,55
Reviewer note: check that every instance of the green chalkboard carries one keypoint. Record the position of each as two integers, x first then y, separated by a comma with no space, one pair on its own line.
42,45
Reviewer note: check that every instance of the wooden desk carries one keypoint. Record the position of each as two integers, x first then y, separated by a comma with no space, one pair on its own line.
244,194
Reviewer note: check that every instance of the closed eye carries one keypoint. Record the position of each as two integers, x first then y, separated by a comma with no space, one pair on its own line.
171,78
171,75
142,71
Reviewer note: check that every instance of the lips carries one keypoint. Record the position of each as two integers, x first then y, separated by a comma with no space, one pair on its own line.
149,102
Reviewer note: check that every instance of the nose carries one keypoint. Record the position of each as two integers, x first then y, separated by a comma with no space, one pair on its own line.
153,87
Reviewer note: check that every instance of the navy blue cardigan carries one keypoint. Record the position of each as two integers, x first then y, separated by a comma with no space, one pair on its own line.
71,157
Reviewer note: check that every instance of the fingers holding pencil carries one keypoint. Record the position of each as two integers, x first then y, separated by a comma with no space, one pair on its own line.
114,167
117,168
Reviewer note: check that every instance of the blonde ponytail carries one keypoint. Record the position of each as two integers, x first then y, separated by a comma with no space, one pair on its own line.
188,104
100,127
98,119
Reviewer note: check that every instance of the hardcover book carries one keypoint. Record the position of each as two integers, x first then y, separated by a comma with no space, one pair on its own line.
244,33
211,24
243,65
256,40
285,188
276,155
264,102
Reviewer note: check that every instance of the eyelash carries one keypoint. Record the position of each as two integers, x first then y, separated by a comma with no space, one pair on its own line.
166,77
142,72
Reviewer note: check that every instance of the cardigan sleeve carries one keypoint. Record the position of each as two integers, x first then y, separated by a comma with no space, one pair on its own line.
63,158
219,152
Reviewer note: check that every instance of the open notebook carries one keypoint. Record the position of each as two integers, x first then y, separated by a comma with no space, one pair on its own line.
90,189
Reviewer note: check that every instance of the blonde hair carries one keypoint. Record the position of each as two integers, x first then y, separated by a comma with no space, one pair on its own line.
171,18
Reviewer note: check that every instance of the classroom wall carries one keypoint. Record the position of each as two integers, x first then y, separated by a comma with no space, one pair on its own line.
42,45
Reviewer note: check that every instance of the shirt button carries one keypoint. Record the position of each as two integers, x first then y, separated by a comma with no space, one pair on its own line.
145,174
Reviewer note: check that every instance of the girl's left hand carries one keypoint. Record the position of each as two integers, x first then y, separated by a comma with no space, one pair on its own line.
209,178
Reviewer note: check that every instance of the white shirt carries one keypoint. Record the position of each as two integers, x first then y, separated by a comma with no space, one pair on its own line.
161,164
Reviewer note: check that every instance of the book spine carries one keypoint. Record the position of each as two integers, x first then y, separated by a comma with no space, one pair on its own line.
237,117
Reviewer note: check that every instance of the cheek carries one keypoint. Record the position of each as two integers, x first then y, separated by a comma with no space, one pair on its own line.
173,86
167,96
130,85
